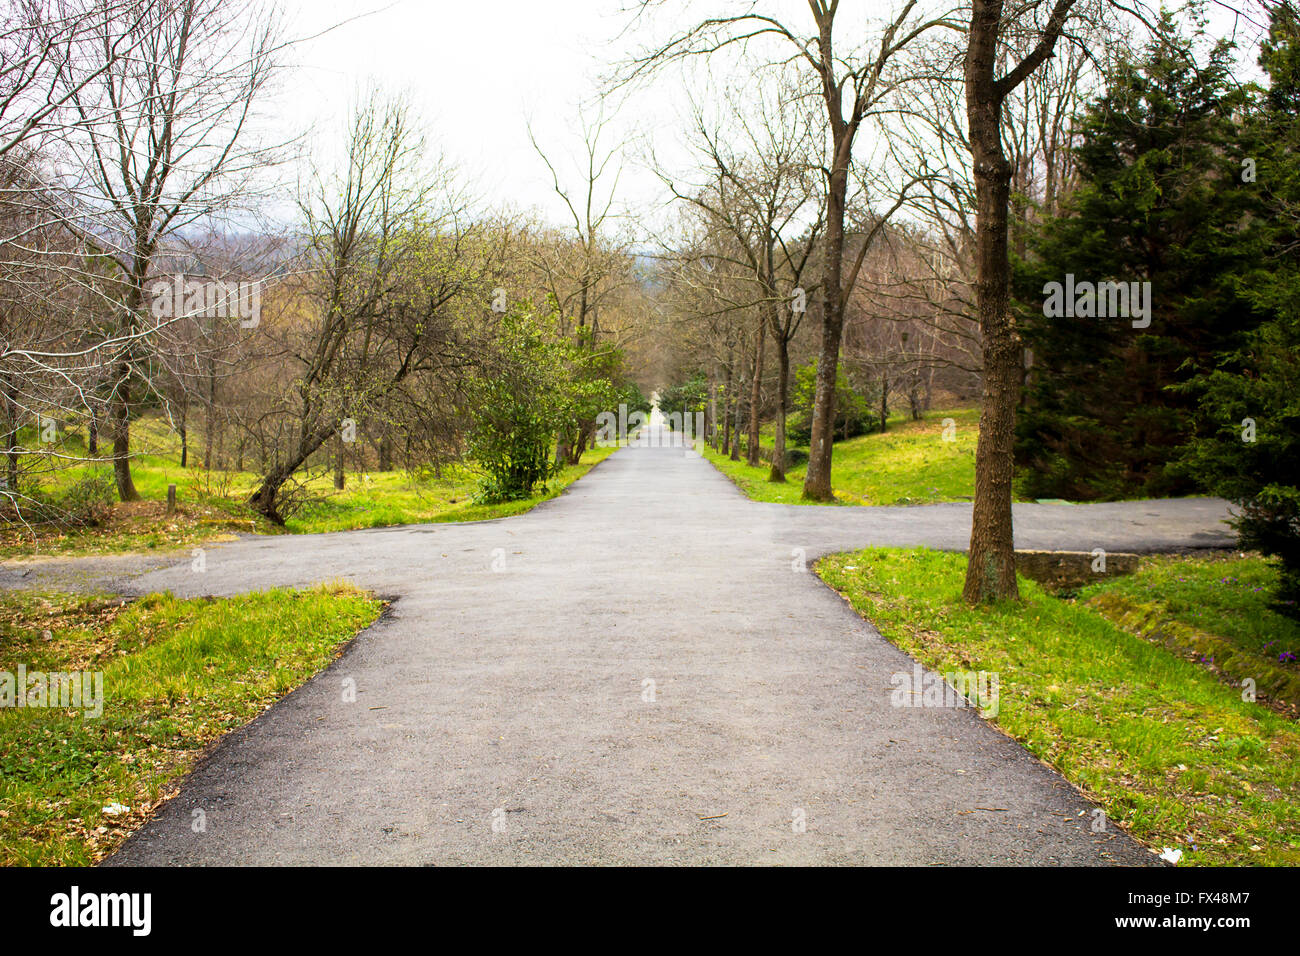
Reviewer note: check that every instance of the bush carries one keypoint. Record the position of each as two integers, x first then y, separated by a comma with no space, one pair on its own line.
794,457
685,398
91,498
520,400
853,415
85,503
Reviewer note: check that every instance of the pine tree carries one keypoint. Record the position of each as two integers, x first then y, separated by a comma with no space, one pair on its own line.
1160,200
1248,443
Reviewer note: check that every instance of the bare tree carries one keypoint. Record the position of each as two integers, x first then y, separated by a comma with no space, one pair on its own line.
580,284
387,251
156,142
764,194
863,78
40,42
991,568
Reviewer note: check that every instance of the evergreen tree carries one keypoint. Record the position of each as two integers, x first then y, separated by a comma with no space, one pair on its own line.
1160,201
1248,443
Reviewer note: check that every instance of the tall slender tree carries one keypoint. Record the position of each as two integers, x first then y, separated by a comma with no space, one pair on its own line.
991,567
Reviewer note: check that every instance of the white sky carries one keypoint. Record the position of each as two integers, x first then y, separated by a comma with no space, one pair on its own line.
478,73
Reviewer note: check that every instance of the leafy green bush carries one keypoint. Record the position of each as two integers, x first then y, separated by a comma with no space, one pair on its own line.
520,400
632,396
90,499
853,414
794,457
684,398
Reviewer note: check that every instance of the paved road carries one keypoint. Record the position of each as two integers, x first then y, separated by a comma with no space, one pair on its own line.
502,711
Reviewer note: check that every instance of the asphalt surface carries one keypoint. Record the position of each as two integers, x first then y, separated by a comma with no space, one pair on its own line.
504,711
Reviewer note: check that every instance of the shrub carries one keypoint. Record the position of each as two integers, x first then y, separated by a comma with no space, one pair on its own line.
520,400
685,398
853,415
85,503
90,499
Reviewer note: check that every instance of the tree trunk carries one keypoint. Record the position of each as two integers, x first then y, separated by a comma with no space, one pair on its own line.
884,400
121,395
735,434
726,415
385,452
914,398
991,567
122,436
207,424
713,414
340,479
726,427
817,481
755,397
265,499
777,473
578,447
11,468
11,437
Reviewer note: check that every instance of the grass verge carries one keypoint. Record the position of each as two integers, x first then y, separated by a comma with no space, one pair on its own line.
212,505
1215,610
388,499
176,676
1167,750
912,463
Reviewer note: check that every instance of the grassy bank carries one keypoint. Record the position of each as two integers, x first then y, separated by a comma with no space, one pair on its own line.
381,499
212,505
1215,610
911,463
1160,742
176,676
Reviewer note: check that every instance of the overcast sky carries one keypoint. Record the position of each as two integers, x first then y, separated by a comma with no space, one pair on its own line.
480,72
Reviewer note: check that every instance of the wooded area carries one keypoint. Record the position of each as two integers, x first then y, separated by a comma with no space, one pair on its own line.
872,222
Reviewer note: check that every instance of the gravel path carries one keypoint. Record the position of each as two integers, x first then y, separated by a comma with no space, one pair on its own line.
630,673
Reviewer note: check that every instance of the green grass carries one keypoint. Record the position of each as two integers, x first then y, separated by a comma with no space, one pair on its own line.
908,464
379,499
1167,749
1214,609
177,675
212,505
